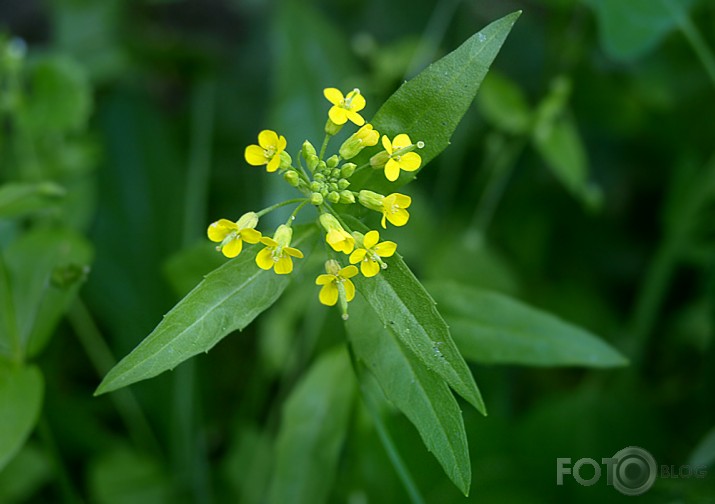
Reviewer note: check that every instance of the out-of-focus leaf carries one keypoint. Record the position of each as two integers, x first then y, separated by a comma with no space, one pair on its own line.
123,476
229,298
314,423
20,198
704,452
630,29
404,307
24,475
503,104
21,391
45,269
60,97
493,328
247,466
420,394
429,107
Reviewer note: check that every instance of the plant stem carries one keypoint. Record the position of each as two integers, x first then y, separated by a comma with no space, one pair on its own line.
197,180
324,147
295,212
101,358
694,38
279,205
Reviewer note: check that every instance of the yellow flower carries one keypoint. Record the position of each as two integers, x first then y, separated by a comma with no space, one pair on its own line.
267,152
278,251
233,234
335,281
370,254
408,161
336,236
345,107
394,209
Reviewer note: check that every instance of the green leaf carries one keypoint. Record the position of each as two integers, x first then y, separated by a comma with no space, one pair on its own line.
630,29
503,104
21,391
496,329
20,198
60,97
315,420
404,307
420,394
122,476
228,299
430,106
44,270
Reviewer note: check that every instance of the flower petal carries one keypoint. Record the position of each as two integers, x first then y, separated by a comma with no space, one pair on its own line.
264,259
232,248
357,256
371,239
273,164
355,117
369,268
399,218
401,141
410,161
268,139
333,95
348,271
392,170
357,103
384,216
401,200
282,143
324,279
385,249
220,229
338,115
349,290
268,241
284,265
255,155
293,252
250,235
329,294
386,144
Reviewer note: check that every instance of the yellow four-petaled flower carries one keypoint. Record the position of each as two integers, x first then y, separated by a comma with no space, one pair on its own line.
278,252
345,107
267,152
408,161
231,235
371,253
333,283
394,209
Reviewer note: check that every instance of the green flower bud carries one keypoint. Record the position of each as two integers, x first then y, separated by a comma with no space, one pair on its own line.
319,177
348,169
333,197
292,177
321,166
331,128
324,192
347,197
315,186
332,267
333,186
332,161
308,150
371,200
379,160
312,161
335,173
343,184
316,199
286,160
249,220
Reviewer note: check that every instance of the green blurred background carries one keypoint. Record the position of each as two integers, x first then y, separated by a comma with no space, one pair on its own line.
581,182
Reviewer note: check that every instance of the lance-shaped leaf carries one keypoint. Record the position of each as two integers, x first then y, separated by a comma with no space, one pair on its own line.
313,428
496,329
404,307
21,391
429,107
20,198
420,394
229,298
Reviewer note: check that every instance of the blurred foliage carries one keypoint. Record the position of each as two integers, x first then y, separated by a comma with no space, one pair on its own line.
581,182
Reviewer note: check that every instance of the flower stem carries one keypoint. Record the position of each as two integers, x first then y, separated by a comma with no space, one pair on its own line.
295,212
324,147
279,205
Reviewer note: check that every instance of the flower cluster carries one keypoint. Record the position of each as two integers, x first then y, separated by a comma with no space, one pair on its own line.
323,183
